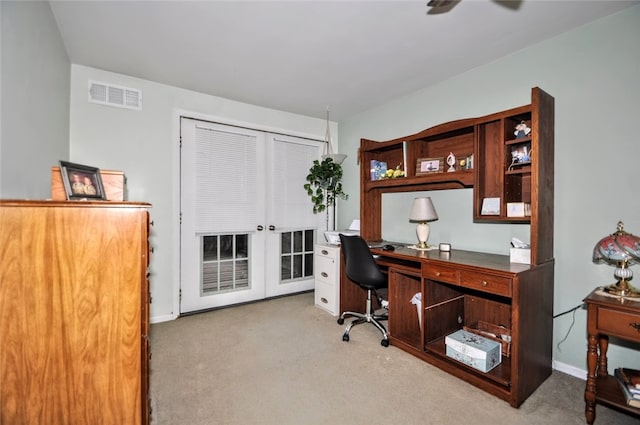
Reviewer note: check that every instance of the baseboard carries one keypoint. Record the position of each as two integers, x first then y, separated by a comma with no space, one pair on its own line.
569,370
163,318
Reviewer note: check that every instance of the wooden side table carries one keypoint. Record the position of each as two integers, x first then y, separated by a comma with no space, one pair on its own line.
607,316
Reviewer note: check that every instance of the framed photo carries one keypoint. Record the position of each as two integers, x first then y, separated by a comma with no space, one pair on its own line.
81,181
429,165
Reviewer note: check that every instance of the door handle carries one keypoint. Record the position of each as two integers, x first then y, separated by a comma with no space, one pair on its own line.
260,227
272,227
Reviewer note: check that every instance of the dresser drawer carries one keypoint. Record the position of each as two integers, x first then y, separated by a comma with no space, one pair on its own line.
486,283
619,323
440,273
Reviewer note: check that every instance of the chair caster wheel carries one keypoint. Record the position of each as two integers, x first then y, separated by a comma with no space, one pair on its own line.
345,338
340,321
384,342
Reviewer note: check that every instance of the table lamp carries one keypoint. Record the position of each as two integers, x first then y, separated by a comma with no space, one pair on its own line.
619,249
422,212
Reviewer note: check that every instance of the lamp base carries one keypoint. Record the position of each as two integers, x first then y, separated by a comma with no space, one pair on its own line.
622,289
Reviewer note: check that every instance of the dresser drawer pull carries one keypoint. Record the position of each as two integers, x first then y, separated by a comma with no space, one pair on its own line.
324,300
325,252
484,283
635,326
438,274
324,274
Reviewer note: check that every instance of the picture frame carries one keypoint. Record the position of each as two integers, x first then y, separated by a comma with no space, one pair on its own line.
81,181
429,165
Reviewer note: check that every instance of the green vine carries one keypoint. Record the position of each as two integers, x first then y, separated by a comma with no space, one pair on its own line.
324,184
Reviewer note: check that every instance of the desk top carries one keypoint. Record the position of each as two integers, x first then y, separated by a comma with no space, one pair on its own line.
456,257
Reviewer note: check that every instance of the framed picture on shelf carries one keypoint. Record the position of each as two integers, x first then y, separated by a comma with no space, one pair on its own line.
429,165
520,155
81,181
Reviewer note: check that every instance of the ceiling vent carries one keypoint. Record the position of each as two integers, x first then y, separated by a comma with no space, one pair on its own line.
112,95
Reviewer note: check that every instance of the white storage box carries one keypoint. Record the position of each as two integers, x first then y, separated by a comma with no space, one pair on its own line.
473,350
520,255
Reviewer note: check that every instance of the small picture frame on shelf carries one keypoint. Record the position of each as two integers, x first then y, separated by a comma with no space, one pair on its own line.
520,155
429,165
81,181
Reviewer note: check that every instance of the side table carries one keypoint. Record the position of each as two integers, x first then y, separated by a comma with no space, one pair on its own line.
607,316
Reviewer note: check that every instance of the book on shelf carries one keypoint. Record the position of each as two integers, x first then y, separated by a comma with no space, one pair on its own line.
631,377
632,398
378,169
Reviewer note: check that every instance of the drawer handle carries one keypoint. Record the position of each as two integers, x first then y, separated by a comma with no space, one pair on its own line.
324,300
635,326
325,252
484,283
437,274
324,274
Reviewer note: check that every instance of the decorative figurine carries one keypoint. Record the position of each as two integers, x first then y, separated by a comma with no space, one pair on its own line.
451,160
522,130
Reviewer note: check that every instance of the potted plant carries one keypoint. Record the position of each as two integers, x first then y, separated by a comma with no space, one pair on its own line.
324,186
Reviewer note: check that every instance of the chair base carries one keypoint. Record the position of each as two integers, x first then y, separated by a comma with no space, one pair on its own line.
368,317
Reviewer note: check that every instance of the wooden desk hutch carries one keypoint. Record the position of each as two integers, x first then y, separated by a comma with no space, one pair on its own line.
461,288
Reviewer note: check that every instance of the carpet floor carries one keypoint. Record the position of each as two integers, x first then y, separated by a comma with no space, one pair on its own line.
283,362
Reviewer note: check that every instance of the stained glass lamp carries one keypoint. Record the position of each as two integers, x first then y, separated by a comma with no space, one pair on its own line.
620,249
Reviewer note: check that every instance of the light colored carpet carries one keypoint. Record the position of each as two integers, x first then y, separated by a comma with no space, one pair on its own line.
283,362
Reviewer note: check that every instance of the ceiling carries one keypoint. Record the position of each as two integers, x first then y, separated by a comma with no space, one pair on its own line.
304,56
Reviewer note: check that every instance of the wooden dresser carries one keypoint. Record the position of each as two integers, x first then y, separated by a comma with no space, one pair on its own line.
74,312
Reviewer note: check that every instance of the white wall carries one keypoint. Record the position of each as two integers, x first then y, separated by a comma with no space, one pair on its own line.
593,74
144,144
34,110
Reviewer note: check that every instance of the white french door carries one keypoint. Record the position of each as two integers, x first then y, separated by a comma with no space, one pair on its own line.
247,228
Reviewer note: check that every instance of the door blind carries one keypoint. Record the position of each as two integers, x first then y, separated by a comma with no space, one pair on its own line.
226,187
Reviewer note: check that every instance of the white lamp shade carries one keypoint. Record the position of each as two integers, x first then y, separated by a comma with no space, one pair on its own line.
423,210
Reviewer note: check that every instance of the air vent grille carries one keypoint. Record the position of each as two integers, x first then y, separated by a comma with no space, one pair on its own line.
112,95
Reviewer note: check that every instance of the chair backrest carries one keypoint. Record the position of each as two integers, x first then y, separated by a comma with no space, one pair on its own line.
360,266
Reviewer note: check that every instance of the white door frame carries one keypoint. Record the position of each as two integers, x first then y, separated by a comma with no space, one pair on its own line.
276,233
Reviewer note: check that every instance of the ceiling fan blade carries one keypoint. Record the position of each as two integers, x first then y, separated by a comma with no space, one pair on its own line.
441,6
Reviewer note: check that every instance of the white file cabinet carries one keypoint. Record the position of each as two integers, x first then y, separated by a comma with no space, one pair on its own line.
327,277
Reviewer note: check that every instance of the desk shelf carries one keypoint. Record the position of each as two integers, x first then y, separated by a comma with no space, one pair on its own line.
501,374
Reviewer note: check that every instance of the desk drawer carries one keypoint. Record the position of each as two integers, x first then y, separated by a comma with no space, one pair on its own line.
440,273
486,283
619,323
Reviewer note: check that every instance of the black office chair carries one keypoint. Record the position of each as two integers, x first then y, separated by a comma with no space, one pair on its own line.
362,269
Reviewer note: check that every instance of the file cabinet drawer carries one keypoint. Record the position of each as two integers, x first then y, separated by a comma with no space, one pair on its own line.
326,297
327,277
326,270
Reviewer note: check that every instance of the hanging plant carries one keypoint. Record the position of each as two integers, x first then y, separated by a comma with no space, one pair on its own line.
324,184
